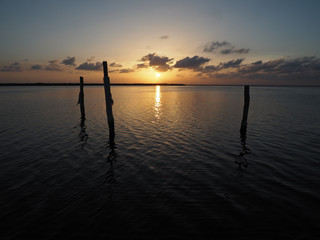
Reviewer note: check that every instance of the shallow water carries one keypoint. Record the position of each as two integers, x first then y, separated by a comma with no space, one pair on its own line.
180,169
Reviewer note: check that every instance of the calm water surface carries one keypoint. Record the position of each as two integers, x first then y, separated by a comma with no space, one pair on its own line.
180,169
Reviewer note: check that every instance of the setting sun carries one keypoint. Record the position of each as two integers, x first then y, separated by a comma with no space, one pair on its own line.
157,75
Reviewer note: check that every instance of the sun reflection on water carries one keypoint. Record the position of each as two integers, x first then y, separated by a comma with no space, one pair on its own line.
157,103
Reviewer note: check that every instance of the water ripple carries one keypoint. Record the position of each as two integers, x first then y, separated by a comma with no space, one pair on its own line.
180,168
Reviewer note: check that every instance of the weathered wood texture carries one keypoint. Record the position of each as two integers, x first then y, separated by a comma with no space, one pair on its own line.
109,102
81,100
245,109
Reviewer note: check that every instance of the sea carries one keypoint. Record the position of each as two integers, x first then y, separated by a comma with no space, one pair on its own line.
180,167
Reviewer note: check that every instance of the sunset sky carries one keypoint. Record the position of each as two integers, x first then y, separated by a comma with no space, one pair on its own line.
144,41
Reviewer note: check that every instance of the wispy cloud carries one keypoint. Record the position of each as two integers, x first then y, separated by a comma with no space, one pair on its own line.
54,66
234,50
164,37
123,70
115,65
14,67
91,59
224,47
126,70
142,65
212,46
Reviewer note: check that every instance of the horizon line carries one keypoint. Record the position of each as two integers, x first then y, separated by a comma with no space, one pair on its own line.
149,84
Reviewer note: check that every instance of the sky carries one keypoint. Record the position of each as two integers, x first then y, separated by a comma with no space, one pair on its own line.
223,42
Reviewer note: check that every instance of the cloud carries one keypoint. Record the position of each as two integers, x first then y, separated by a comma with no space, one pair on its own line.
91,59
231,64
163,68
210,47
303,70
298,65
222,66
226,48
210,68
257,63
259,66
69,61
142,65
234,50
115,65
284,66
54,66
191,63
14,67
126,70
164,37
90,66
242,50
155,60
159,63
36,67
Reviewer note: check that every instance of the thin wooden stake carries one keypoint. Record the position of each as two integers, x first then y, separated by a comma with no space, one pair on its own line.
243,130
245,109
81,100
109,102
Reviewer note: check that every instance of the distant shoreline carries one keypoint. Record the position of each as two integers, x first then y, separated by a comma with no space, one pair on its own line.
90,84
146,84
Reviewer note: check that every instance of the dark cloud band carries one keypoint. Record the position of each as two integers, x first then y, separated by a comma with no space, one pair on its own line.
191,63
90,66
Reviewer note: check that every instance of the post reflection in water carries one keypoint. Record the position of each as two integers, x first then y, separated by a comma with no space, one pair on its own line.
83,136
110,178
157,103
242,162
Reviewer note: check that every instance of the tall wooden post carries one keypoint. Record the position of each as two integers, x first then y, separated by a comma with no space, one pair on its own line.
81,100
243,128
109,102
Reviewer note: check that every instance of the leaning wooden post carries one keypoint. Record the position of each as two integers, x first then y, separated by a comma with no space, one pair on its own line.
109,102
81,100
243,128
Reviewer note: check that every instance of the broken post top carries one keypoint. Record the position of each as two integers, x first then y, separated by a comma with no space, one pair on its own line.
105,69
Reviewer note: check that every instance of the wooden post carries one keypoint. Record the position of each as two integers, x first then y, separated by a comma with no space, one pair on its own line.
243,130
81,100
109,102
245,109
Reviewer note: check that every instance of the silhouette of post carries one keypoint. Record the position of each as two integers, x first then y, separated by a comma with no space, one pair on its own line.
109,102
81,100
243,128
